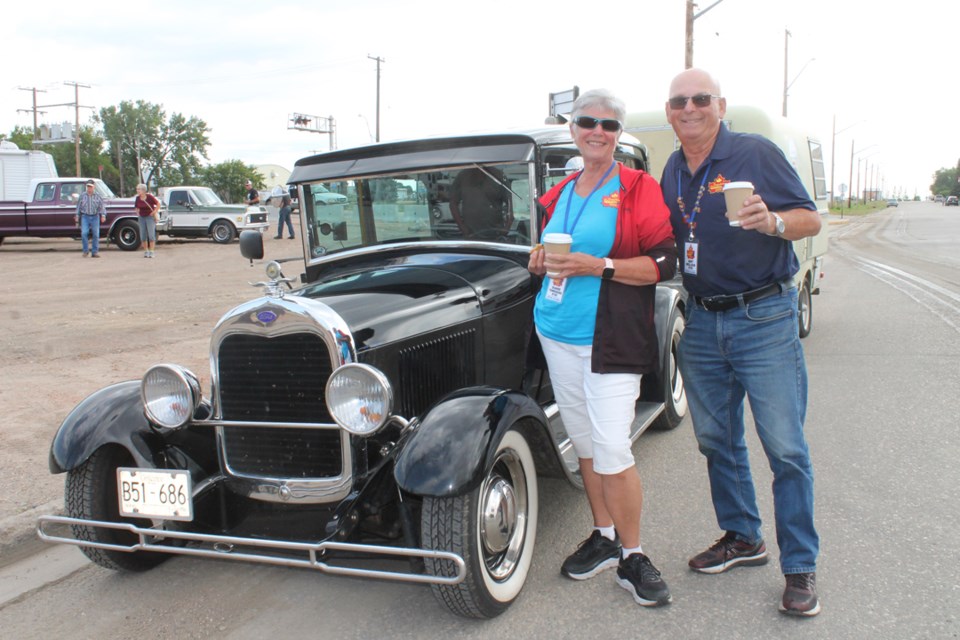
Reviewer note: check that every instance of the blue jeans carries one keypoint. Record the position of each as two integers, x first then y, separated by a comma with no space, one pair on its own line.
284,218
90,227
753,351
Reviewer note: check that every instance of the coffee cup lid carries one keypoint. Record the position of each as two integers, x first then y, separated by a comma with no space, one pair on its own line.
558,238
738,185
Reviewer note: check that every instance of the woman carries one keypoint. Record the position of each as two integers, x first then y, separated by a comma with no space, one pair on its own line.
148,208
594,318
286,208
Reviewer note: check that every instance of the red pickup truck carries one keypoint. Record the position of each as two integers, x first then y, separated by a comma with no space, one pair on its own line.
50,213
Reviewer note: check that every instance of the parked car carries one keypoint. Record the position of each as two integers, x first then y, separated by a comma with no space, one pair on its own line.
387,418
892,202
197,212
951,201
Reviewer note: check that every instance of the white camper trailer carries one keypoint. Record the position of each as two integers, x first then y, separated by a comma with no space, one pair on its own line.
18,167
803,151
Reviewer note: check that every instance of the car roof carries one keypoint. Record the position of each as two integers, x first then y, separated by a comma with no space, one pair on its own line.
409,155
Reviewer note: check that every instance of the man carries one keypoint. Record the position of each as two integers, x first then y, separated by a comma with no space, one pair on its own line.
253,196
741,334
90,213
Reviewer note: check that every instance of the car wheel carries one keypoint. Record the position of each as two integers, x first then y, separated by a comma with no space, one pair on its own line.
674,393
91,494
805,309
222,232
127,235
493,528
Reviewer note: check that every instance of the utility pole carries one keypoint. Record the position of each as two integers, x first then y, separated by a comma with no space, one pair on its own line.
76,105
36,129
690,17
786,41
379,60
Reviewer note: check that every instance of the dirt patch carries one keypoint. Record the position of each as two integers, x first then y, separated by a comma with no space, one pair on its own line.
71,325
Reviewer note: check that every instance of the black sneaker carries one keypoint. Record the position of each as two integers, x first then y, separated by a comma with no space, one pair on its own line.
594,554
728,552
637,575
800,595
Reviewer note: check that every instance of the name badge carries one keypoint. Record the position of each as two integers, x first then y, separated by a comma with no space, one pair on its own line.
691,251
555,289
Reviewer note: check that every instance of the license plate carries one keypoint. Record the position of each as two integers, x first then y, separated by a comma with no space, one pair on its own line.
155,493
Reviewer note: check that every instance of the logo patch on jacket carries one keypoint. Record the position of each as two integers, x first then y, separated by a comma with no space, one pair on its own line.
716,185
612,200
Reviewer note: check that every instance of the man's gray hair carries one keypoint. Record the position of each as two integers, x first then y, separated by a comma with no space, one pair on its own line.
599,98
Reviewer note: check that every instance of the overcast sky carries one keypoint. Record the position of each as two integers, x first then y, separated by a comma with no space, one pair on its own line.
449,66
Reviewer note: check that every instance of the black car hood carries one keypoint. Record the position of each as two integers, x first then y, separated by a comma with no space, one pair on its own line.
417,294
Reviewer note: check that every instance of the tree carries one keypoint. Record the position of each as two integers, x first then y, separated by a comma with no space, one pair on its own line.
228,179
945,182
151,149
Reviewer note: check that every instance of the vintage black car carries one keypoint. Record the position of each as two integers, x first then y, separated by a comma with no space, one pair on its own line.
384,417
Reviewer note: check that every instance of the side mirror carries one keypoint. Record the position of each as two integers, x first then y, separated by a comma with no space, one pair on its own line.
251,245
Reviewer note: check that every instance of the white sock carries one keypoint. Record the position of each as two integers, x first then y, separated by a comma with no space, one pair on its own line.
626,553
607,532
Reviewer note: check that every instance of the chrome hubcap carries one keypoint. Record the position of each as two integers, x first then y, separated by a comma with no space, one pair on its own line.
502,517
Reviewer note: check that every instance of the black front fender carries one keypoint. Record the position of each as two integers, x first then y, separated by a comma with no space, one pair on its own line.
453,446
113,415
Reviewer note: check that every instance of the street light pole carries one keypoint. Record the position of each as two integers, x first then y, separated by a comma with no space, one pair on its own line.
786,41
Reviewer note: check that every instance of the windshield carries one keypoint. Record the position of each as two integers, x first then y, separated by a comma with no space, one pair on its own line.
207,197
489,203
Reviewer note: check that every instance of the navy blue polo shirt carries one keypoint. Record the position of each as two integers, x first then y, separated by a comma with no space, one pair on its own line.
733,260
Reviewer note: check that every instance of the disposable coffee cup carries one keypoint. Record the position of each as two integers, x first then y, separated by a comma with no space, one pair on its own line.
735,193
557,243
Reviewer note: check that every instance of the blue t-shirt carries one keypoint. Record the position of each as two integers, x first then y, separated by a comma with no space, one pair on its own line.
572,320
733,260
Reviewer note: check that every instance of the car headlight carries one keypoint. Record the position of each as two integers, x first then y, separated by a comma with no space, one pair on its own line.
359,398
170,395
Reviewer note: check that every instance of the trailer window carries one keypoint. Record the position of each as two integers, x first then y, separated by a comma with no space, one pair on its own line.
819,175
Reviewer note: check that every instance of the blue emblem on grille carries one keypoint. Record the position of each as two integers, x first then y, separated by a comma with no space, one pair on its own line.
266,317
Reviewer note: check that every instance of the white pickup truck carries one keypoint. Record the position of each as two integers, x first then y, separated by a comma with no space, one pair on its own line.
199,212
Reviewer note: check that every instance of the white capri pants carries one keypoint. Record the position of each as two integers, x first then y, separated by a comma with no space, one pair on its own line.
597,408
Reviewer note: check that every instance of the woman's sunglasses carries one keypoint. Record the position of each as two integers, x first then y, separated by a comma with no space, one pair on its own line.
699,100
589,122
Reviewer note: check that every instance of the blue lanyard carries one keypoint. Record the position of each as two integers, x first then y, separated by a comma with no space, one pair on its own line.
566,215
691,219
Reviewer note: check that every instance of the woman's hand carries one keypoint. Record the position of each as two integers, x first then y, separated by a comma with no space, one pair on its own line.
569,265
535,265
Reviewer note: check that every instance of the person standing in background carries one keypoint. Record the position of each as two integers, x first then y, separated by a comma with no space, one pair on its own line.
148,209
91,212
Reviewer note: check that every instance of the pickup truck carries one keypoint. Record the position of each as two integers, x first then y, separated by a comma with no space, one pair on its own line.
199,212
49,214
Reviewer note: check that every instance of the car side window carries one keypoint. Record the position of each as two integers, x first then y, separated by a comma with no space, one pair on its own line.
71,191
45,192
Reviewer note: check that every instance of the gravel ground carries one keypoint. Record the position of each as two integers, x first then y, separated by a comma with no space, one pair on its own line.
71,325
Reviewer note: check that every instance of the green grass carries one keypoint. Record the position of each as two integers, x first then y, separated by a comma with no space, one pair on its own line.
859,209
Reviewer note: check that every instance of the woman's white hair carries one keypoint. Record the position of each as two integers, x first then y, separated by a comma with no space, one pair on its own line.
599,98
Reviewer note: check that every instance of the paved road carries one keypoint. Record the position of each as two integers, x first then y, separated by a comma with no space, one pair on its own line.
884,361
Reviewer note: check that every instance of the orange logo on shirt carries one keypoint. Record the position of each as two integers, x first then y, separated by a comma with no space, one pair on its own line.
716,185
612,200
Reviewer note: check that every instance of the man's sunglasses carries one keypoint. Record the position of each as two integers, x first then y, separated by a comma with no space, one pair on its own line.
699,100
589,122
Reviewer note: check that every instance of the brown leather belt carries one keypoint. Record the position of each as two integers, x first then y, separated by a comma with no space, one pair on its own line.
724,303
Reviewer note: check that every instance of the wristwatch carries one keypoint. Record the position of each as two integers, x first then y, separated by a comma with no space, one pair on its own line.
781,227
607,269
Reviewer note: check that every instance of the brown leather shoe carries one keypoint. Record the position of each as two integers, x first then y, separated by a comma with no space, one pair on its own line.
800,596
728,552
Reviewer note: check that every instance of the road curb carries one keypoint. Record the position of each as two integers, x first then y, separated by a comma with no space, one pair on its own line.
18,534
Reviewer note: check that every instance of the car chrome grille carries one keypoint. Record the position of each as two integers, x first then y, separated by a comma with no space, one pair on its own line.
278,379
434,368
